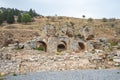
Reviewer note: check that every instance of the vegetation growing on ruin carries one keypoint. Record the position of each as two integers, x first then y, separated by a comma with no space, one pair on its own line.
40,48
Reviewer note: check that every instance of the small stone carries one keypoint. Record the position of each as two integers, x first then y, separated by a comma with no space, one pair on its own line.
116,59
116,64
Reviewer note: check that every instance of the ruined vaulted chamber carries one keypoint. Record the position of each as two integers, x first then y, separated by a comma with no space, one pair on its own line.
57,44
54,39
61,39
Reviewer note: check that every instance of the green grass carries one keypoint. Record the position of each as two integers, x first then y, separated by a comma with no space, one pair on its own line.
58,53
39,48
113,43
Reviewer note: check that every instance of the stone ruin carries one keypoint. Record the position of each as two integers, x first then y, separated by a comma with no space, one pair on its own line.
55,39
96,53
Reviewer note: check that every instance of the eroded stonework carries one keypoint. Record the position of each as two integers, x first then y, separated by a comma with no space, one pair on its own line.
53,40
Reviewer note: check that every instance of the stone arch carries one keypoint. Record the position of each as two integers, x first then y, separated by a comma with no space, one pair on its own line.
90,37
62,46
81,46
41,45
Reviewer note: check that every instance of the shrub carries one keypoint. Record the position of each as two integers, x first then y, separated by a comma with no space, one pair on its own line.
60,17
112,19
90,20
104,20
112,25
48,17
26,18
14,74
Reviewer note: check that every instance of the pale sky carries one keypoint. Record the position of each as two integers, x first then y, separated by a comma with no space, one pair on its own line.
72,8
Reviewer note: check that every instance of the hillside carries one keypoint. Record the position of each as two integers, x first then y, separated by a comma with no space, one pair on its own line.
22,32
58,43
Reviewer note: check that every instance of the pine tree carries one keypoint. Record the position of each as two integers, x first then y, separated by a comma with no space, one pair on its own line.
10,18
5,14
19,18
31,13
17,12
1,18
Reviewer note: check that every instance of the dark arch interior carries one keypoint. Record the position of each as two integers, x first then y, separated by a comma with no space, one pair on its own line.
81,46
41,46
61,47
90,37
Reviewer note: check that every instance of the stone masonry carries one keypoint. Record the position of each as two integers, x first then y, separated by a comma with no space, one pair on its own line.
64,39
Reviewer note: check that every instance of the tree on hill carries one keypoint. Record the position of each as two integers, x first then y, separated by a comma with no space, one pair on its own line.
9,13
90,19
83,16
10,18
1,18
104,19
19,18
5,14
16,12
32,13
26,18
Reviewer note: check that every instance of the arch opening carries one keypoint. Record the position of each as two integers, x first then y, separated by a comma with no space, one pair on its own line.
61,46
81,46
41,46
90,37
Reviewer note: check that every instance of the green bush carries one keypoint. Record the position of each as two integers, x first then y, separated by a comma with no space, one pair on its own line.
26,18
104,20
90,20
14,74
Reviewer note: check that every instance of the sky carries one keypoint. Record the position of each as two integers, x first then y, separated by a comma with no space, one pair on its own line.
71,8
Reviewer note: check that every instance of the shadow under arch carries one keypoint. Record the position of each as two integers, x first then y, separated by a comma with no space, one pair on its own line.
62,46
81,46
41,45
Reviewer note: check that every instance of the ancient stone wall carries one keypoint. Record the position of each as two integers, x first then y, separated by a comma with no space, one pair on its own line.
54,40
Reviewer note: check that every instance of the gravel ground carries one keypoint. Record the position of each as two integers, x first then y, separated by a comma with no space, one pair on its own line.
69,75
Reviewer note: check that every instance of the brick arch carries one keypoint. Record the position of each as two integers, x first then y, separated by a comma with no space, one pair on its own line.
62,46
41,45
